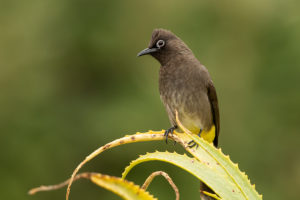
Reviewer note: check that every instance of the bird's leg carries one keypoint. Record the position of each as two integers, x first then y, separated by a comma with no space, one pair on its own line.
192,143
199,134
168,131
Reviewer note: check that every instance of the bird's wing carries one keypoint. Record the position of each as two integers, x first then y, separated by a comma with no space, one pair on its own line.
212,96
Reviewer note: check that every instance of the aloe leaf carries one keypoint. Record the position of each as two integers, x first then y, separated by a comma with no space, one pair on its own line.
125,189
206,152
219,161
221,184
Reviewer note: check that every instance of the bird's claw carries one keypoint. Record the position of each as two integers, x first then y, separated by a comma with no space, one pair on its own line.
168,131
192,143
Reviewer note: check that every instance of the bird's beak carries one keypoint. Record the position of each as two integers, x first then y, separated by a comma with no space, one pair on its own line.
147,51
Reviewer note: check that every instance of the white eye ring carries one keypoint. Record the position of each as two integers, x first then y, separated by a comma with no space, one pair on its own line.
160,43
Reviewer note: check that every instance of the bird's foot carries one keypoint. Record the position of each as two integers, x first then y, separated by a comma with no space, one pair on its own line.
168,131
192,143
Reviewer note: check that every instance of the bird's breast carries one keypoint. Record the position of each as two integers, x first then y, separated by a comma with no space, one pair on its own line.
185,92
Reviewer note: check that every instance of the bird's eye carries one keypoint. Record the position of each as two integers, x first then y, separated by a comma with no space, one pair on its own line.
160,43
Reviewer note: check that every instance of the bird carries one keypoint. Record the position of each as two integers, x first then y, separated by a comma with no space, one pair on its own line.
185,87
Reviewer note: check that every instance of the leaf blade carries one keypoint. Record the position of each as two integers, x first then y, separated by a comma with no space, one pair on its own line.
123,188
199,169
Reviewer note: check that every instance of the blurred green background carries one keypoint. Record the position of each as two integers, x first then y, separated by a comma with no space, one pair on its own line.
70,82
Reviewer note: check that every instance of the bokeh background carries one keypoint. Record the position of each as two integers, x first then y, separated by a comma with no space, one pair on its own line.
70,82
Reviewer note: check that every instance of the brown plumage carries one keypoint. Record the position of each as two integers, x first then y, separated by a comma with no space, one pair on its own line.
184,84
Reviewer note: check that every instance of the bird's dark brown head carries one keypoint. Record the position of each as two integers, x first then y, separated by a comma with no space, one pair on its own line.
164,45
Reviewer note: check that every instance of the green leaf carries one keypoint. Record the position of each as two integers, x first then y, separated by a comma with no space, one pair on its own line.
220,184
208,153
214,157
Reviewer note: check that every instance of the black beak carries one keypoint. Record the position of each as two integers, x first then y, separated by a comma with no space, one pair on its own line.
147,51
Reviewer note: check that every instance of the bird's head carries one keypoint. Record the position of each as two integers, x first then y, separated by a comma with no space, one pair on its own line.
164,45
